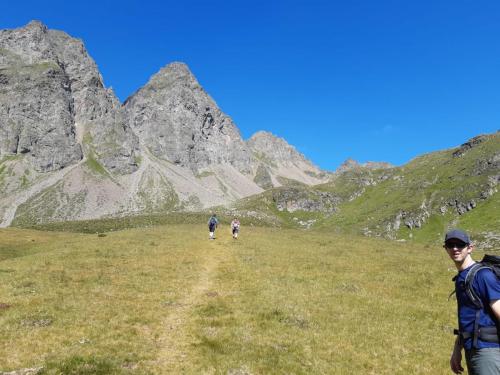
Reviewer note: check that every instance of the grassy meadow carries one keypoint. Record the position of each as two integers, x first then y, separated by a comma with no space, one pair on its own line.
166,300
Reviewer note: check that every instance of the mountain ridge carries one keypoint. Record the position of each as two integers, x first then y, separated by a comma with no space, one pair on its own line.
167,147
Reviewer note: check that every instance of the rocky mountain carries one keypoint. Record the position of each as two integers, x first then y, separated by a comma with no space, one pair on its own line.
278,161
70,150
179,122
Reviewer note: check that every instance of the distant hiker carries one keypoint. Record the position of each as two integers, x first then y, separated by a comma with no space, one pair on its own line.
235,227
212,224
478,297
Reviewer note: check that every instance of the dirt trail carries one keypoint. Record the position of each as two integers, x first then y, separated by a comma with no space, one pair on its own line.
177,339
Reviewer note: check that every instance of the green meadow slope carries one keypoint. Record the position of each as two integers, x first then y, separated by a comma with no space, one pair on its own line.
166,300
420,200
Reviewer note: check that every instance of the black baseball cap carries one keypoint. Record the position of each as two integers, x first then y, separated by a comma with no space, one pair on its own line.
457,234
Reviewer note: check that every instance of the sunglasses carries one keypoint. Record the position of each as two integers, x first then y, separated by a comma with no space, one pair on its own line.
453,245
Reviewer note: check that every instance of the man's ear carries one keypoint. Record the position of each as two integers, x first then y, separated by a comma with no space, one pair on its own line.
470,248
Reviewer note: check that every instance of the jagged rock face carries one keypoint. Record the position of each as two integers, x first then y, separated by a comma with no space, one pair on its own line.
98,112
277,160
36,107
51,96
179,122
271,148
36,116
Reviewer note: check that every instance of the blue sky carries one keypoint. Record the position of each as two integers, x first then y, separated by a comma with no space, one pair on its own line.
369,80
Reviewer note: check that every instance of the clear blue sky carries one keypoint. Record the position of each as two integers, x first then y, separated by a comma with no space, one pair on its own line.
371,80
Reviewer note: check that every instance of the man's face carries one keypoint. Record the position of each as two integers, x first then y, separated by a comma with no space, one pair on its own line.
457,250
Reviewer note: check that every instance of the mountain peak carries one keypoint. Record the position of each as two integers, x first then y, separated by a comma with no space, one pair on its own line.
348,165
275,154
175,72
273,147
182,124
35,25
177,67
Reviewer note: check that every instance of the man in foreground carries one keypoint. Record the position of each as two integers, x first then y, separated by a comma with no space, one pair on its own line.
477,332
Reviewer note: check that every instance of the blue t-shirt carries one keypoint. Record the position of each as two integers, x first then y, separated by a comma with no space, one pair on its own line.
487,287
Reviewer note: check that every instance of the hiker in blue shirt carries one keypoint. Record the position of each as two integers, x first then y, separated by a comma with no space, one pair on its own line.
212,224
477,333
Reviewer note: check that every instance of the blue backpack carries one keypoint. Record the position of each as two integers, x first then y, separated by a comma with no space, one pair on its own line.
489,334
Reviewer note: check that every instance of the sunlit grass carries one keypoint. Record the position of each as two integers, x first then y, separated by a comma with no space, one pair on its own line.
167,300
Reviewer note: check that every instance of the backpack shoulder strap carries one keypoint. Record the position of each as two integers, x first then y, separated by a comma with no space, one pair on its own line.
471,293
475,299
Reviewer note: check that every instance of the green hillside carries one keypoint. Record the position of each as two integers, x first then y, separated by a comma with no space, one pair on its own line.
418,201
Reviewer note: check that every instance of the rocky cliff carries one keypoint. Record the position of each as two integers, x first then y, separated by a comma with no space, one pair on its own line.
36,105
52,101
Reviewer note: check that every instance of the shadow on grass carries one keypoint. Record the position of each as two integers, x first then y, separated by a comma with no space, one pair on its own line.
78,365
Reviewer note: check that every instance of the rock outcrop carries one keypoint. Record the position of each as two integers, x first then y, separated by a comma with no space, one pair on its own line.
473,142
292,200
351,164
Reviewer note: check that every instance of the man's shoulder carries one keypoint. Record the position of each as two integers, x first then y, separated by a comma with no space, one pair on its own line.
487,283
486,274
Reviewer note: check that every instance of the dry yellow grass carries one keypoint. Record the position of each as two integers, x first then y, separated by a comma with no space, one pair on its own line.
167,300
